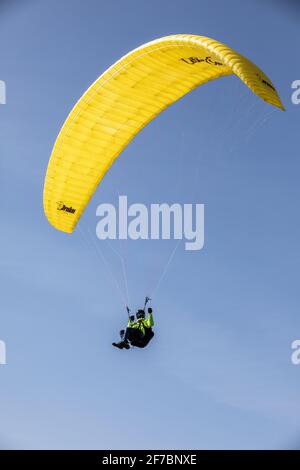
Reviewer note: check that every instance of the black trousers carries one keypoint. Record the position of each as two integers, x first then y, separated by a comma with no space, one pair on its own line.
136,337
133,335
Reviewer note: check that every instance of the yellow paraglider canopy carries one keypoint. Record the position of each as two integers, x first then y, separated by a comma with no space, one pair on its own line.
122,101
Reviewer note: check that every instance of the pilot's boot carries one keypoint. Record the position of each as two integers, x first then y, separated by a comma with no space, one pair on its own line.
122,344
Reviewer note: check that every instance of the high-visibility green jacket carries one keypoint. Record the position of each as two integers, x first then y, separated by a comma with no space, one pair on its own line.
142,323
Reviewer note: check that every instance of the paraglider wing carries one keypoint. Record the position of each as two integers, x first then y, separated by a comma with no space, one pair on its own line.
122,101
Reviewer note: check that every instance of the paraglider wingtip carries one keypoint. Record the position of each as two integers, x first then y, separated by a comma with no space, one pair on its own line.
280,105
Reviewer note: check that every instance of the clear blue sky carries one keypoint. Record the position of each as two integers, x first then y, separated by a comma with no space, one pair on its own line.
218,374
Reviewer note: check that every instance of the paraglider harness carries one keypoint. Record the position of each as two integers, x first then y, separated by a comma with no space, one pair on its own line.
148,335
